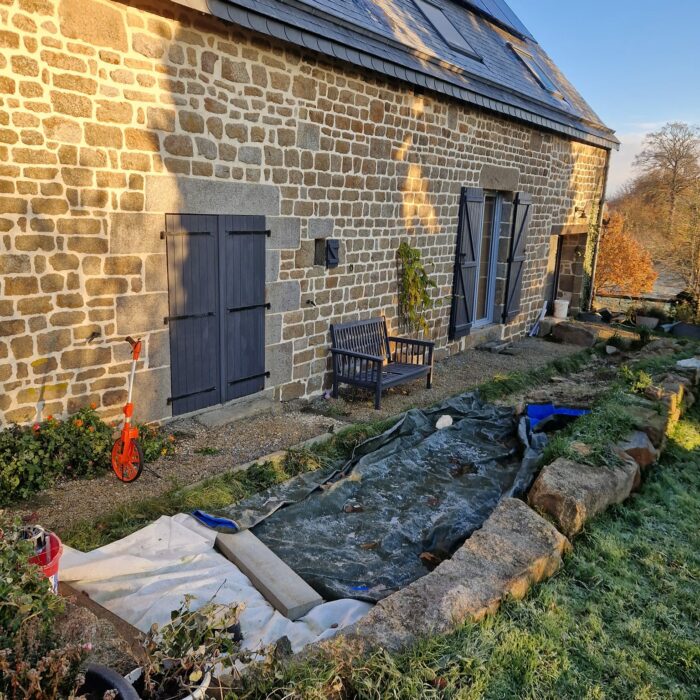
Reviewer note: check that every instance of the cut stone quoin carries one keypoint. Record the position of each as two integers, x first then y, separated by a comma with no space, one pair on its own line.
572,493
514,549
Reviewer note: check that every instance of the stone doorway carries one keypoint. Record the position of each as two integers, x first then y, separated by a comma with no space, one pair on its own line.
565,272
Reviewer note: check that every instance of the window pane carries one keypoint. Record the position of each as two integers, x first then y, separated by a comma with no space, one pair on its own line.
482,291
445,28
537,70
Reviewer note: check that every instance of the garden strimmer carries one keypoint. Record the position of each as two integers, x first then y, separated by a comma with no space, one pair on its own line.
127,455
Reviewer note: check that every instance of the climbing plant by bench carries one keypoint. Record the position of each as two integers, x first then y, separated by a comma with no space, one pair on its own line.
365,355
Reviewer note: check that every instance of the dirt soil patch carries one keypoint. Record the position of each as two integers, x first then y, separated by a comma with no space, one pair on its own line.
452,376
200,452
578,390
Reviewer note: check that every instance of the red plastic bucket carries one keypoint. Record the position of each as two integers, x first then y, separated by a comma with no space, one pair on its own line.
47,559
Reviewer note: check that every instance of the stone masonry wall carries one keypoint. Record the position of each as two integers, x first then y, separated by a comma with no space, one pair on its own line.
112,115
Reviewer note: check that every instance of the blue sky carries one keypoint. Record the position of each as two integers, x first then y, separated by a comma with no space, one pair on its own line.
637,62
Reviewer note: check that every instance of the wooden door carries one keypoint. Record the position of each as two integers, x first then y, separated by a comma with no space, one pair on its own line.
216,287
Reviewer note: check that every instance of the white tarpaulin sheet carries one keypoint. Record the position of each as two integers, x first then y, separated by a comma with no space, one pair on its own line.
144,576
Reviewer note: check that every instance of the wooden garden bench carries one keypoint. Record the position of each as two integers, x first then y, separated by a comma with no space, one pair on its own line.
365,355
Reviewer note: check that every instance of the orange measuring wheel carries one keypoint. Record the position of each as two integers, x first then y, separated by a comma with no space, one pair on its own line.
127,460
127,455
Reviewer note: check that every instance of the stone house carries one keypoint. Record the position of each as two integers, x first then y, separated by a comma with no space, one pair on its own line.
225,178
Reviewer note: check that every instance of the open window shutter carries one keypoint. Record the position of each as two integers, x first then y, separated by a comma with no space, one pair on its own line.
522,213
471,215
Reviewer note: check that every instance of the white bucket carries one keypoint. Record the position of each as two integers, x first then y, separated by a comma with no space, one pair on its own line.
561,308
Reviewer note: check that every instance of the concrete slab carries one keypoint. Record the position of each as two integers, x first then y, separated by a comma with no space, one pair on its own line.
282,587
237,411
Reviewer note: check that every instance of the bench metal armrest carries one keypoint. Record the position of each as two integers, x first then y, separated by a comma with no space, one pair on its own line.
356,367
412,352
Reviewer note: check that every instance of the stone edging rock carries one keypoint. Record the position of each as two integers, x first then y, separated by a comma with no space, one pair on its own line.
571,493
514,549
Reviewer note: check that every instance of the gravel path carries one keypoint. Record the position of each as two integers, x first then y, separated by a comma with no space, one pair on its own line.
454,375
200,452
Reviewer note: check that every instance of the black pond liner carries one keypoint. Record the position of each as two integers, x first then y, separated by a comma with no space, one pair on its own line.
359,532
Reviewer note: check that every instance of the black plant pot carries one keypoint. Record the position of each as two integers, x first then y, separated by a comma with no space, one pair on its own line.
100,679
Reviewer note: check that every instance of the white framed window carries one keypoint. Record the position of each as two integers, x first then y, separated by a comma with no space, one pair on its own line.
487,257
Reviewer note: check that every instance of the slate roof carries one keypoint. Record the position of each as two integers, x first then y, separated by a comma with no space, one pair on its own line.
393,37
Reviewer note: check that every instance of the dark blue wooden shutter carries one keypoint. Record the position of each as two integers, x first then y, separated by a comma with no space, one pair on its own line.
243,290
193,285
471,215
522,214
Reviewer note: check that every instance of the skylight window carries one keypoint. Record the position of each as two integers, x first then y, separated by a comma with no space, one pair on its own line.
538,71
446,29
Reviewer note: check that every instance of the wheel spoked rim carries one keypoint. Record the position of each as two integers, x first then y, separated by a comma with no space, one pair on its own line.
127,469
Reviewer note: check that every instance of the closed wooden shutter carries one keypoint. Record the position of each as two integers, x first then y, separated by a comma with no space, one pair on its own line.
193,283
522,214
243,349
471,214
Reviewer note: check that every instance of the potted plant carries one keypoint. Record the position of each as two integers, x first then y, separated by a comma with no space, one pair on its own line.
649,316
35,664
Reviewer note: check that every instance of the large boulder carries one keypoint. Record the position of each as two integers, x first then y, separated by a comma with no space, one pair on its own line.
574,334
653,419
514,549
572,493
677,393
638,446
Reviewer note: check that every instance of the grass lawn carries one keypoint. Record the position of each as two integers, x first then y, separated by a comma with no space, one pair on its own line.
620,620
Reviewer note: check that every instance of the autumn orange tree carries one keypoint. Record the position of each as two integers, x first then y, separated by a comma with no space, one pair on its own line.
661,204
624,265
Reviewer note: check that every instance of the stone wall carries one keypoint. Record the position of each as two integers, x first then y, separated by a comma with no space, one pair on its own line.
112,115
